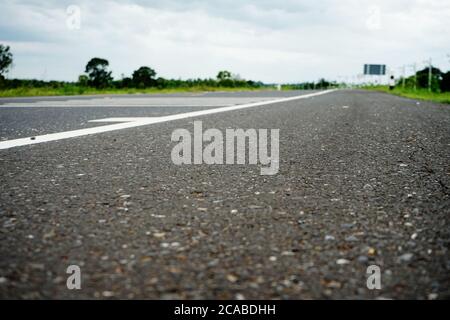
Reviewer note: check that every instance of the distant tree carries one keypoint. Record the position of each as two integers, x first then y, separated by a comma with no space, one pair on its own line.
422,78
127,82
322,84
83,80
97,70
6,59
445,83
144,77
224,75
161,83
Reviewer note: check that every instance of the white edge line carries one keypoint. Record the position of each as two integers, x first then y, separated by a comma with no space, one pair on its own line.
146,121
97,105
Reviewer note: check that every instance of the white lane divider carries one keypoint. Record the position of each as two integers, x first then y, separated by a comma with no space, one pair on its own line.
142,121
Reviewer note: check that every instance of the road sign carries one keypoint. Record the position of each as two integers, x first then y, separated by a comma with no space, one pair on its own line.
375,69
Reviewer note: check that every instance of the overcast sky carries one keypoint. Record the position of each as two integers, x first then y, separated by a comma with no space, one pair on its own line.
271,41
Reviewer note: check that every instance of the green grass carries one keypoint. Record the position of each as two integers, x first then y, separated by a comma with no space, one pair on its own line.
77,90
420,94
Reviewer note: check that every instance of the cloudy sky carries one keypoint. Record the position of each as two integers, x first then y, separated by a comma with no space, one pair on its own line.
271,41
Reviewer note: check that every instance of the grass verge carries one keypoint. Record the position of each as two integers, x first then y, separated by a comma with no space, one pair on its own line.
76,90
420,94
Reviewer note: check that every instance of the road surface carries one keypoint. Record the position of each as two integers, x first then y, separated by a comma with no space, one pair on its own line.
364,180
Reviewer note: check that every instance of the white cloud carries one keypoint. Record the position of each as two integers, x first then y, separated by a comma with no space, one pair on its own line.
260,39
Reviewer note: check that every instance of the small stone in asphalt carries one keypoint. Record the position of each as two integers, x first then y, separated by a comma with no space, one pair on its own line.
351,239
342,261
159,234
363,259
432,296
405,257
108,294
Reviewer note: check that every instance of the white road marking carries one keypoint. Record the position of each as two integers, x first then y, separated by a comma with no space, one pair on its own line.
153,102
122,119
99,105
144,121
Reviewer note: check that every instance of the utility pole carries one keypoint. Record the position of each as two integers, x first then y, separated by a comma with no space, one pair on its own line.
415,75
403,76
429,75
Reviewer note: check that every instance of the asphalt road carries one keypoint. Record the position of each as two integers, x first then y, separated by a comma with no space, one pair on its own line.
364,180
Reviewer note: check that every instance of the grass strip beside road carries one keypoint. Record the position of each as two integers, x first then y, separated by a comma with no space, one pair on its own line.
419,94
76,90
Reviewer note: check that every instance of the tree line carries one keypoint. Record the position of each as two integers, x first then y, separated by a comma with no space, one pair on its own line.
440,81
97,75
320,84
